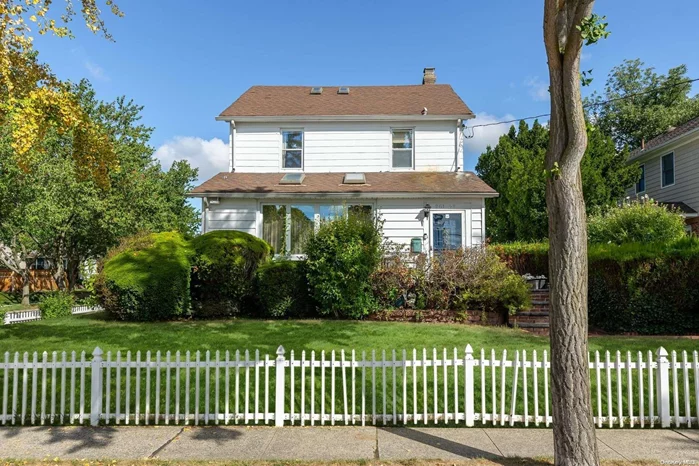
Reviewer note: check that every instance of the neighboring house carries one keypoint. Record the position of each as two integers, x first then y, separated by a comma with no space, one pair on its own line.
670,170
300,155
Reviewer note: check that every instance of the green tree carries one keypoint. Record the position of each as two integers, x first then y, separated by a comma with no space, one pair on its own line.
514,168
647,114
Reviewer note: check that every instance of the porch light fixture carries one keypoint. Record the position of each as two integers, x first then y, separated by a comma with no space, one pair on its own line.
427,208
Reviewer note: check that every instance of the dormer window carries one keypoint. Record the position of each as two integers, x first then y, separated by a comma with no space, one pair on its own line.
402,149
292,149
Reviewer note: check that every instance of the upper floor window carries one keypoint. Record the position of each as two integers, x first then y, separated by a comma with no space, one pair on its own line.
641,185
402,144
292,149
667,170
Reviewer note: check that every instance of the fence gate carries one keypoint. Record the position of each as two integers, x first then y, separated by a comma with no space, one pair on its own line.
416,387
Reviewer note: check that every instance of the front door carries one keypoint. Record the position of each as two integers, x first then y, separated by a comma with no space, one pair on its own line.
447,231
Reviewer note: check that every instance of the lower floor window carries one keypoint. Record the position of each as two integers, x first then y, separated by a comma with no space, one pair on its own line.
287,227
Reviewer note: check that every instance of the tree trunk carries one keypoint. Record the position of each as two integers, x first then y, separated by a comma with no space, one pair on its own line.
72,273
25,276
575,443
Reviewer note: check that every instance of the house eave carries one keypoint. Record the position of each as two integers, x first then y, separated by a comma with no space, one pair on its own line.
666,146
297,118
345,195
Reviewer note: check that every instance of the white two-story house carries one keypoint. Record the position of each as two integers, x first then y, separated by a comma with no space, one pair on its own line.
300,155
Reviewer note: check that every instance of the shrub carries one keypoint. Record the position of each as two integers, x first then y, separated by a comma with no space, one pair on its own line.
282,289
224,269
636,222
56,304
637,287
146,278
393,282
342,256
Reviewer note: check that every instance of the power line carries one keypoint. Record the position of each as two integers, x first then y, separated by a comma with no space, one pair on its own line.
593,104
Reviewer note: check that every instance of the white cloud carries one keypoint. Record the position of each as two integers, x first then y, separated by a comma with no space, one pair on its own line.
96,71
209,156
538,89
484,136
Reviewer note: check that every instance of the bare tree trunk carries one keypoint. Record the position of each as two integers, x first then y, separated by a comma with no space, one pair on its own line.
575,443
25,275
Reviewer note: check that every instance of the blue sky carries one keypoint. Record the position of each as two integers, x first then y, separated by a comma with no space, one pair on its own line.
185,61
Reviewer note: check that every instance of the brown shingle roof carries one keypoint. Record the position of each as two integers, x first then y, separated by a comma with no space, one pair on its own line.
666,137
439,99
323,183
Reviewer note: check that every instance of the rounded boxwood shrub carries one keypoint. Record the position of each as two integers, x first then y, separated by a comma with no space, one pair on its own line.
282,289
56,304
223,272
147,278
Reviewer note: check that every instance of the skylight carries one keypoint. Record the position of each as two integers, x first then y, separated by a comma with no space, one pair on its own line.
292,178
354,178
343,90
316,90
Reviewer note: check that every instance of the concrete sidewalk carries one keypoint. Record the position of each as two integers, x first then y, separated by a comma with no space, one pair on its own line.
328,443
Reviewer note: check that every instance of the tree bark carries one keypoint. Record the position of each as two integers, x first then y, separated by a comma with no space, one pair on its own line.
573,427
25,276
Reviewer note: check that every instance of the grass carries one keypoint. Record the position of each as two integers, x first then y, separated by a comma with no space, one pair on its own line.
84,333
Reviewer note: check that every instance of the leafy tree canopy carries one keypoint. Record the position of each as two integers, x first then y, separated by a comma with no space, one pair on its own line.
646,114
515,168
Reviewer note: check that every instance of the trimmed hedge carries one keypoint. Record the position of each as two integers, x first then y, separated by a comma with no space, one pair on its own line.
224,263
639,288
282,289
147,278
56,304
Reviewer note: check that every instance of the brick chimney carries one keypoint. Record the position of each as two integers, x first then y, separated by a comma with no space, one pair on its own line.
428,76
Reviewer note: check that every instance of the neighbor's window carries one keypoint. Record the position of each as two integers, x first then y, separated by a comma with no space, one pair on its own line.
292,149
641,185
402,144
668,169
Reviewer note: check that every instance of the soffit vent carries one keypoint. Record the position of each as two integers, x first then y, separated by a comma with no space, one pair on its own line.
354,178
292,178
343,90
317,90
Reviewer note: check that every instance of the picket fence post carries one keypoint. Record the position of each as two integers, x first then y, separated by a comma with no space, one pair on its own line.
663,387
96,388
279,399
469,383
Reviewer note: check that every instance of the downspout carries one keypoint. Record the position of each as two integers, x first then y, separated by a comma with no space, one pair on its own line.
458,142
204,214
231,145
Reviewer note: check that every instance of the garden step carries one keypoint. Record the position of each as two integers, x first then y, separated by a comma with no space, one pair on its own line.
532,325
533,313
537,302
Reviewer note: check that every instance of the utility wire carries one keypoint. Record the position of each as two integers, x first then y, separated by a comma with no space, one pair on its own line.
592,104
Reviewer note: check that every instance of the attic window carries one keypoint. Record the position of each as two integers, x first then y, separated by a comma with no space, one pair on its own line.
292,178
316,90
343,90
354,178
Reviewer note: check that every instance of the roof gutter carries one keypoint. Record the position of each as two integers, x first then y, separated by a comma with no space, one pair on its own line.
295,118
345,195
653,150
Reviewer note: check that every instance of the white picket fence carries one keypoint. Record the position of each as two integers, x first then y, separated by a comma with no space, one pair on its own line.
427,387
16,317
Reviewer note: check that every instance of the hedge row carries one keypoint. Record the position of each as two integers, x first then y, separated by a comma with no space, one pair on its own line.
640,288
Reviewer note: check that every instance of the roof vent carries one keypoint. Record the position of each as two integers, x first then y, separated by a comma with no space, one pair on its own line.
316,90
292,178
343,90
354,178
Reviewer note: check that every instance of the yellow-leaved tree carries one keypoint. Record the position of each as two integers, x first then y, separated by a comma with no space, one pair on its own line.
32,98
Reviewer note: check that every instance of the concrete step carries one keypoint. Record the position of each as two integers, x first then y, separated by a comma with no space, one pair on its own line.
533,313
532,325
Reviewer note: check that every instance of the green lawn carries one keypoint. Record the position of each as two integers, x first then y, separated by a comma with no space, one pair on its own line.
85,332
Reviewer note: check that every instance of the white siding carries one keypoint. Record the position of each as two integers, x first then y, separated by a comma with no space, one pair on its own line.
686,187
403,218
232,214
345,147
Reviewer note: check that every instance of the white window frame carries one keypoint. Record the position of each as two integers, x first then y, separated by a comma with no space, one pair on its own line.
635,186
316,218
674,175
284,149
465,234
390,145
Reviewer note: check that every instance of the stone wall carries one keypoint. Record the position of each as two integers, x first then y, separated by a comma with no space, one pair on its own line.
466,317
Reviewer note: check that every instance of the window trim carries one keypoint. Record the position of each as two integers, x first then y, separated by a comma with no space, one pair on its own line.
284,149
662,178
390,145
643,177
